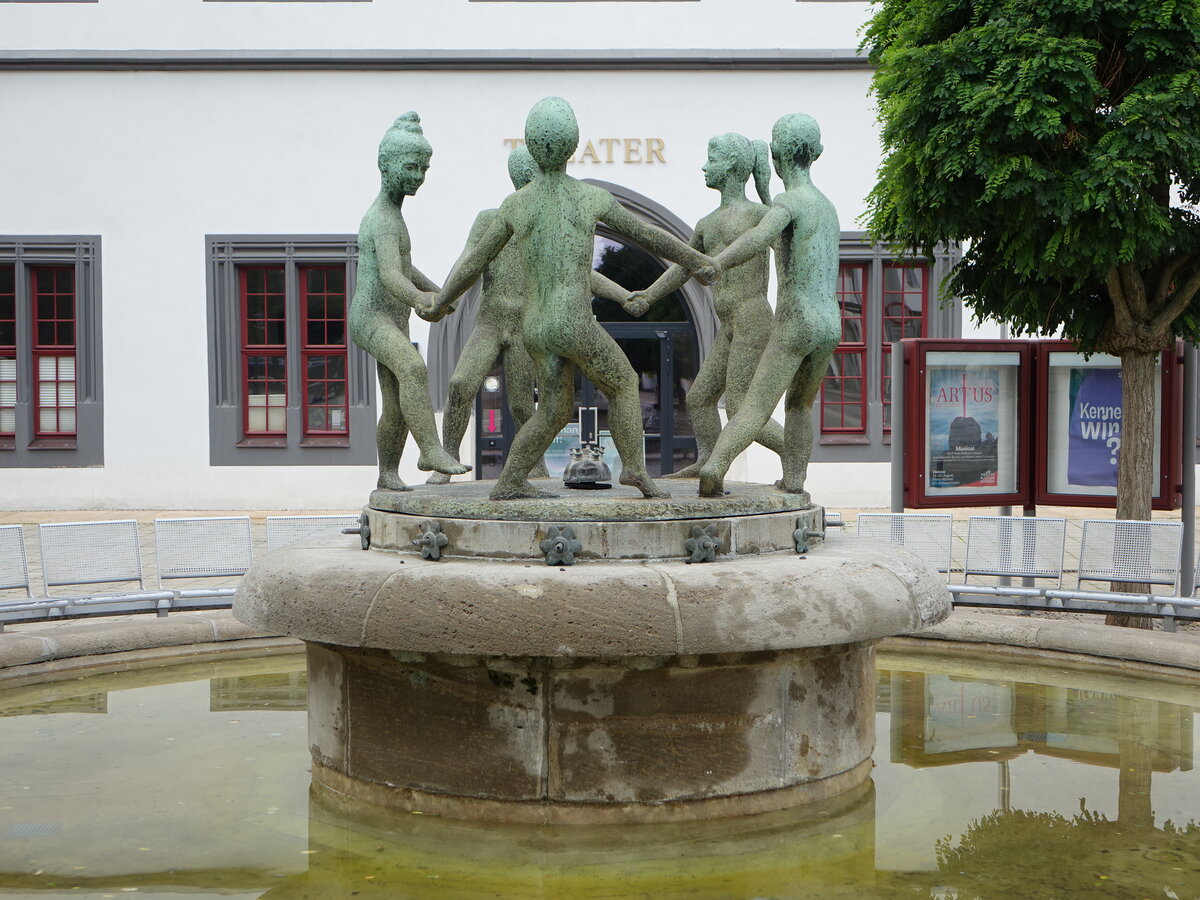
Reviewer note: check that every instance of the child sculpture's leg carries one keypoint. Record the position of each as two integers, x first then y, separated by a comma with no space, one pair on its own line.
557,380
390,433
606,364
711,381
411,382
473,364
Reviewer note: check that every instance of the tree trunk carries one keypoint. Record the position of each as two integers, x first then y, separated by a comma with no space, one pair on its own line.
1135,466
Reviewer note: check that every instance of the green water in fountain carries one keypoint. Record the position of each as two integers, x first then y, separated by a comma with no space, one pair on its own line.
993,779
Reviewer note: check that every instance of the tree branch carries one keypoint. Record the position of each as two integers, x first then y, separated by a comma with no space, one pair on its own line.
1135,291
1167,276
1116,293
1179,302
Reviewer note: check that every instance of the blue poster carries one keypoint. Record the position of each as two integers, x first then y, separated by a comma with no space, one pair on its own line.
964,426
1094,434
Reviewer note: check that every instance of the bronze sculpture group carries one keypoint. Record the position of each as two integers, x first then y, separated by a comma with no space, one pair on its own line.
535,256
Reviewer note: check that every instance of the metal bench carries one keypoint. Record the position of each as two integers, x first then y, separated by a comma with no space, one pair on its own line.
1007,547
75,554
14,563
218,547
925,535
284,531
1130,551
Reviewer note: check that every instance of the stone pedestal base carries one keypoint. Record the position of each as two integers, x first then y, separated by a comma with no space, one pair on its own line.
641,683
591,740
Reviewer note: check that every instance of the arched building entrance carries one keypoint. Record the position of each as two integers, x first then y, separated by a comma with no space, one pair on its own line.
664,347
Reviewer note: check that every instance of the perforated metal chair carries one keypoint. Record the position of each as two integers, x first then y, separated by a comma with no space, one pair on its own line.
14,563
218,547
283,531
1130,551
94,553
79,553
925,535
1015,547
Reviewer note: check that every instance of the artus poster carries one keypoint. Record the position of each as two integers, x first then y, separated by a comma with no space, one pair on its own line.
971,429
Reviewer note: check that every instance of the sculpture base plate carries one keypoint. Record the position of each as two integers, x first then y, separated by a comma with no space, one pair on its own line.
471,500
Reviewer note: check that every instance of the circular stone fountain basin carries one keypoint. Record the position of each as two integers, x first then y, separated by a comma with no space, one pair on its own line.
634,685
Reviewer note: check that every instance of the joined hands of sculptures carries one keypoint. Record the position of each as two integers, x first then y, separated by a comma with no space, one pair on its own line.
552,221
740,297
388,287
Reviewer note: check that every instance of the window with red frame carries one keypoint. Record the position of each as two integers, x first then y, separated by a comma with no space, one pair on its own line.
8,352
264,351
323,351
53,289
904,315
843,394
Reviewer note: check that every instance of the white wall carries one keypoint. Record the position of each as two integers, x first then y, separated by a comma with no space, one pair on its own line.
429,24
154,161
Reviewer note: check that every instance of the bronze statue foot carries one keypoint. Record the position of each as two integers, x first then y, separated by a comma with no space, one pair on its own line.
441,461
438,478
798,491
518,491
688,471
712,483
645,484
391,482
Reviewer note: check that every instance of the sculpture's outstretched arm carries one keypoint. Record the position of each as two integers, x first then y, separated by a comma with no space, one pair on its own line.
756,240
654,239
424,283
607,289
391,271
474,260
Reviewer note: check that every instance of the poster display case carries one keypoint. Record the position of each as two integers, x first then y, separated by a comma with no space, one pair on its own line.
968,405
1078,427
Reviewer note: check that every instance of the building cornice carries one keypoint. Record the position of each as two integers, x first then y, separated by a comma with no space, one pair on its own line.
427,60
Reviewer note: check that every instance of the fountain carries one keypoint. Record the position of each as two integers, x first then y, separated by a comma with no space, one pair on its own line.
502,653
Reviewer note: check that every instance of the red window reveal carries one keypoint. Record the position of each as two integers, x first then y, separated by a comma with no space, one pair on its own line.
53,350
264,351
323,350
905,313
8,351
843,394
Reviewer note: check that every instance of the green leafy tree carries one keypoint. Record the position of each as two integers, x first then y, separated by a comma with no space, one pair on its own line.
1060,140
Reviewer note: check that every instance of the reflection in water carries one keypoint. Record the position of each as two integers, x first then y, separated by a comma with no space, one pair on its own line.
1064,784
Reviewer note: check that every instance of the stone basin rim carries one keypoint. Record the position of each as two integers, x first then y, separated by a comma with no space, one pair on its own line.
856,590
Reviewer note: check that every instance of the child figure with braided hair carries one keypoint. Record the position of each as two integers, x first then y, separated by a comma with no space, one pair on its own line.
388,287
803,226
740,297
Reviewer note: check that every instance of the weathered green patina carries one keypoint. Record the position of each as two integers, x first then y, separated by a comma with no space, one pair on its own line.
388,287
807,324
497,332
740,297
552,222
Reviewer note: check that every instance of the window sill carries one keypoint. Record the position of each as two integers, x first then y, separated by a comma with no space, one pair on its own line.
327,440
8,443
845,439
273,442
63,443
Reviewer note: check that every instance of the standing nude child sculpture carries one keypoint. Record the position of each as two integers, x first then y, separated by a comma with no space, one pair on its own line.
497,331
740,297
552,221
388,287
807,319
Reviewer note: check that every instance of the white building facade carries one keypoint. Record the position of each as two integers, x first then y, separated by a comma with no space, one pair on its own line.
184,181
